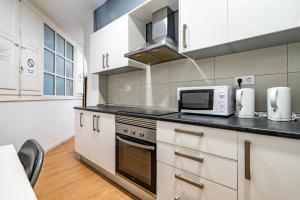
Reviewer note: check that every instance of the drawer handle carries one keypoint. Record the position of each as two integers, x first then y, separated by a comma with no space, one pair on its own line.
94,116
198,185
80,120
197,159
247,144
178,130
98,130
184,36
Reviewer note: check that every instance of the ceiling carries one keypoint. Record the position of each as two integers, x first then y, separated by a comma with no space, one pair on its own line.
70,15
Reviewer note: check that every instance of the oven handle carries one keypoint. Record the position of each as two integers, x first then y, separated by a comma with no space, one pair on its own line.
152,148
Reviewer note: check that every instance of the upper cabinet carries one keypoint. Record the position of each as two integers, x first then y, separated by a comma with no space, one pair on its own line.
31,50
109,44
202,24
251,18
9,23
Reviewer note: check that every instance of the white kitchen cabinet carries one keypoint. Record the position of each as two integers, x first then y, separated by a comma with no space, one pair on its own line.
109,44
9,23
9,60
251,18
274,168
202,23
95,138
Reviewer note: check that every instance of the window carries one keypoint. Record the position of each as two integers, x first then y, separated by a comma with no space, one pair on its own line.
58,64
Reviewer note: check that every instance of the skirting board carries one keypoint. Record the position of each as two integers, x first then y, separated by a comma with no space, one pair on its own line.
59,143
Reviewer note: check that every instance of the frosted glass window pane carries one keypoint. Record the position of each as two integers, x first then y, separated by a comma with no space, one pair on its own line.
48,84
60,45
49,36
69,88
69,69
60,86
60,66
69,51
48,61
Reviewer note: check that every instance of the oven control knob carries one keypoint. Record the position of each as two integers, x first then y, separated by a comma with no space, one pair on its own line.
222,95
125,130
142,134
133,132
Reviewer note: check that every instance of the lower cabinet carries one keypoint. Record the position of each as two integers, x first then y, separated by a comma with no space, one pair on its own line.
268,168
95,138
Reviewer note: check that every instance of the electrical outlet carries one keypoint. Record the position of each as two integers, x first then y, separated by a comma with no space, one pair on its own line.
128,88
247,80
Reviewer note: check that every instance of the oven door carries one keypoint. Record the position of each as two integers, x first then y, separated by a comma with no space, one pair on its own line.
196,99
136,160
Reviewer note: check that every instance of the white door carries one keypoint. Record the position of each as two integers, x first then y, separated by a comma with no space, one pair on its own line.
9,19
105,143
9,61
98,49
30,73
79,72
274,168
79,131
117,37
250,18
31,28
203,23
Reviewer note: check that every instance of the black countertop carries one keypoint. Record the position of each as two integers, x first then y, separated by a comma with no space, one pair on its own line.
257,126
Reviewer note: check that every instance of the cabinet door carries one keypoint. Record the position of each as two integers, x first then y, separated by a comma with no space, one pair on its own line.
250,18
97,55
30,73
9,60
274,168
205,21
87,136
117,38
105,142
31,28
79,132
9,23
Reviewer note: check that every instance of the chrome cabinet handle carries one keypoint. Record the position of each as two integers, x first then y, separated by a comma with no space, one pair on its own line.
184,36
94,116
198,185
178,130
197,159
98,117
177,198
80,120
107,66
103,61
247,145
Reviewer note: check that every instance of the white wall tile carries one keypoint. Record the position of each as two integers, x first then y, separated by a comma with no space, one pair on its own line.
294,57
156,95
294,83
156,74
130,97
271,60
130,78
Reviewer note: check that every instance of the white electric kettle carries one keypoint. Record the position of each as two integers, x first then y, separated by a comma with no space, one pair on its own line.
245,103
279,104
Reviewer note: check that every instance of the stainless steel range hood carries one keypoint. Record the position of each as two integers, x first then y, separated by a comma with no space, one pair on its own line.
163,47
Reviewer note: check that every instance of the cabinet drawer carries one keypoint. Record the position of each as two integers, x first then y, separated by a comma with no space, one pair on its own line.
192,185
217,169
167,193
209,140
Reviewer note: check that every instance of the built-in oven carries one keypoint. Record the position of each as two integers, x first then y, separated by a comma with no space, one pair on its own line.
136,151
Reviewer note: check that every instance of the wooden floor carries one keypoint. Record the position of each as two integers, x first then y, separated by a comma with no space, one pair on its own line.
65,177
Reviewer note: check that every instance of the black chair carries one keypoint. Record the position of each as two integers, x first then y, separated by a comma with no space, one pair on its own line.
31,155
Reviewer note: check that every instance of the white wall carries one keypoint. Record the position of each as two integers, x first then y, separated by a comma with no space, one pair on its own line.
49,122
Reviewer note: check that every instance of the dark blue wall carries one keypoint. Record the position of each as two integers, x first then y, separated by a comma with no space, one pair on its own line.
112,10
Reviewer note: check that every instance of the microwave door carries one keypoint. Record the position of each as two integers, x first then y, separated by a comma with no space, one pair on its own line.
196,99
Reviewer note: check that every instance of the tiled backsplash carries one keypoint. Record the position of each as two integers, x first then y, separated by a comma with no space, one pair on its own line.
156,86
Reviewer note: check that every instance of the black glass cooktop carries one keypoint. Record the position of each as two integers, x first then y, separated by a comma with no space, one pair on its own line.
142,110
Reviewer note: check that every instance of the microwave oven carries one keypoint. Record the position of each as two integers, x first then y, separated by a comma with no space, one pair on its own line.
207,100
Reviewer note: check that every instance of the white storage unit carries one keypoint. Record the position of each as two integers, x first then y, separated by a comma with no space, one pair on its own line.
31,50
195,162
95,138
273,166
109,44
202,24
9,23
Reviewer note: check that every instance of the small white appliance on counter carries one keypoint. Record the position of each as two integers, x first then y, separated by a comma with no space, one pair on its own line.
207,100
245,103
279,104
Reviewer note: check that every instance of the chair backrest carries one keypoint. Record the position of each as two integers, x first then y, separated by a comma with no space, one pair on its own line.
31,155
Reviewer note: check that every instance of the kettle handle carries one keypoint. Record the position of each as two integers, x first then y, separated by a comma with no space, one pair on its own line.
273,99
239,99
